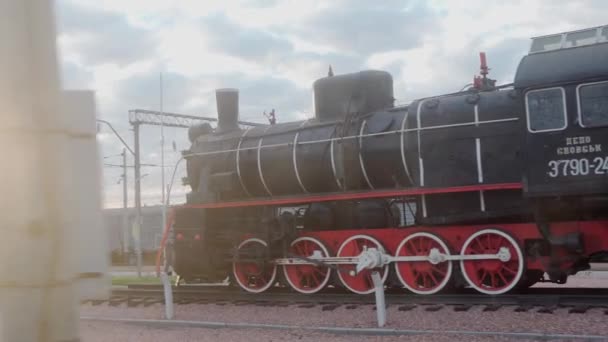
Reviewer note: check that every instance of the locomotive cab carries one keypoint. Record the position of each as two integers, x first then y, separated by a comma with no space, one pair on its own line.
563,82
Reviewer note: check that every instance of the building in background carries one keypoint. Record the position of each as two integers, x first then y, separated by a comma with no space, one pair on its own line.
122,244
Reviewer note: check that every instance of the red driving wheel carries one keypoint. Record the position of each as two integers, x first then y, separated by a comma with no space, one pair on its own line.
360,283
423,277
492,276
307,278
255,275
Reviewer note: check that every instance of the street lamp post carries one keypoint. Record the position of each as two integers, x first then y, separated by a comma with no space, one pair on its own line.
138,177
125,204
138,220
124,143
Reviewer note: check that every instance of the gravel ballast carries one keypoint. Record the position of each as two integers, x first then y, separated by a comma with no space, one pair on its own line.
505,319
117,332
593,322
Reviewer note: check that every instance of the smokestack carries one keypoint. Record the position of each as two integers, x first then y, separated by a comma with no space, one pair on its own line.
227,100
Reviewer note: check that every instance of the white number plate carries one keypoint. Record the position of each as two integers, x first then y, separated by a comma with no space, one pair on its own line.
578,167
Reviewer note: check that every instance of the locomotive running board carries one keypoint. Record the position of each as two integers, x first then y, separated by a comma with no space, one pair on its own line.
353,195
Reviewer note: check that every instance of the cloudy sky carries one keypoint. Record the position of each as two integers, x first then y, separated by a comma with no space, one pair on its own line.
273,50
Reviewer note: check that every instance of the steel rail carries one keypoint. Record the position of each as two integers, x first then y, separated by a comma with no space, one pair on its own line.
543,297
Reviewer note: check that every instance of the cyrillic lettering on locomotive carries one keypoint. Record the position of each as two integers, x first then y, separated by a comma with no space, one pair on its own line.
583,166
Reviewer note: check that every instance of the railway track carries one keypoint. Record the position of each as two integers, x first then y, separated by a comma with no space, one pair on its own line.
576,300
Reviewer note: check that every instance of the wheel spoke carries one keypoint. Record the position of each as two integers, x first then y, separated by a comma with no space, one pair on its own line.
302,280
502,243
429,244
481,247
319,271
303,248
504,267
313,276
438,270
358,247
502,277
311,282
474,250
417,276
297,249
485,275
413,249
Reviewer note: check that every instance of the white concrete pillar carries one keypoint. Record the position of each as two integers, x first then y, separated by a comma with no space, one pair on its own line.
39,261
86,236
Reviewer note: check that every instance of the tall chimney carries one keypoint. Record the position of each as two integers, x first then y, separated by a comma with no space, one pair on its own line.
227,109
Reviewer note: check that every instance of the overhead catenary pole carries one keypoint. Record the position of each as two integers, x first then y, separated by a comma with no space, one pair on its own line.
138,220
125,204
162,157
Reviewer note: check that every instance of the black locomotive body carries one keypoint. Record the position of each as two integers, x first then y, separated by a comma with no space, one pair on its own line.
531,152
463,139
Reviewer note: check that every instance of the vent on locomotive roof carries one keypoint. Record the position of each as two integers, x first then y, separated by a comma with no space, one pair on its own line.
362,92
227,100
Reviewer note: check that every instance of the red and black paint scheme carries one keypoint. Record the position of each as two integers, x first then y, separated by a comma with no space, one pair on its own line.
493,187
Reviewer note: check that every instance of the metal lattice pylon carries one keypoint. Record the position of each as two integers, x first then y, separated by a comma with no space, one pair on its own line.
156,118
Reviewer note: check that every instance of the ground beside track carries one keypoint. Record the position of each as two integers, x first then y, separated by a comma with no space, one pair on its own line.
475,319
103,331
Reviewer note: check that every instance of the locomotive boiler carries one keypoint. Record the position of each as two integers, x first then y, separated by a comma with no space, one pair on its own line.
507,182
358,141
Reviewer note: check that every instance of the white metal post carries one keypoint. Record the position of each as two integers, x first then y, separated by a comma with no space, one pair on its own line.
164,276
380,301
168,290
162,155
125,204
138,219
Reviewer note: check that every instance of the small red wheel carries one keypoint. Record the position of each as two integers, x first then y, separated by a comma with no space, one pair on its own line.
307,279
423,277
360,283
254,276
492,276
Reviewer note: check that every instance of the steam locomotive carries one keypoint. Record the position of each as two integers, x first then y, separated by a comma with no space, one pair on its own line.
493,187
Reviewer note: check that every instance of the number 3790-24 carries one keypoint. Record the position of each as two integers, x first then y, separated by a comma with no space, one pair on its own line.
578,167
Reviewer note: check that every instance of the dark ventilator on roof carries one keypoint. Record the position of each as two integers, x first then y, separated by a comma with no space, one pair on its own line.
336,97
